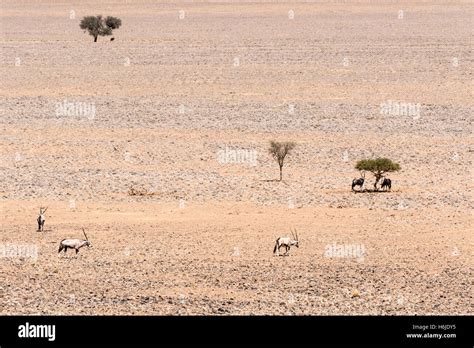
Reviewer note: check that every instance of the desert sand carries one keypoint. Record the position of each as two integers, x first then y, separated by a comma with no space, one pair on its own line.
184,82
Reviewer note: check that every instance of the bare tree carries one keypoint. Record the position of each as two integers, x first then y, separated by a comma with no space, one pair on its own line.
279,151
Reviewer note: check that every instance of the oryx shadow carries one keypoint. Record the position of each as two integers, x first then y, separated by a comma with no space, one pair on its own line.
371,191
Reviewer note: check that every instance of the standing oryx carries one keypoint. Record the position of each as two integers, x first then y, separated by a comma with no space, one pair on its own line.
358,182
386,184
287,242
74,243
41,219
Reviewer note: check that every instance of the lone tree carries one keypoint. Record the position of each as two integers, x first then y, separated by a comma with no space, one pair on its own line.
279,151
100,26
378,167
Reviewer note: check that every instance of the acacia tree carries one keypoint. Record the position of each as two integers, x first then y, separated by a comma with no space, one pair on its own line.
100,26
378,167
279,151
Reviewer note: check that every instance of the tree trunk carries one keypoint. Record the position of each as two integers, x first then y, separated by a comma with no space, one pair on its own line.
377,178
95,38
281,173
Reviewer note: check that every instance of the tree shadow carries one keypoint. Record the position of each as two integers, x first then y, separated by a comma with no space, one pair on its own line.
274,180
371,191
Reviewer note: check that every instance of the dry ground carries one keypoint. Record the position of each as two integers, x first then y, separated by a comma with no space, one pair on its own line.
171,93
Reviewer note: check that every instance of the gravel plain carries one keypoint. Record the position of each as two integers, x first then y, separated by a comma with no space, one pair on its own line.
163,158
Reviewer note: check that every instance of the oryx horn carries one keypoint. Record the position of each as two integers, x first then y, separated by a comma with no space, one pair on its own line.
83,231
295,234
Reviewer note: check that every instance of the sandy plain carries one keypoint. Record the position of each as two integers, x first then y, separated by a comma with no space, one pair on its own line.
172,92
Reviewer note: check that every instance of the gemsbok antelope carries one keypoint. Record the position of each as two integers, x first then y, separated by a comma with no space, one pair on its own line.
386,184
286,242
74,243
41,219
358,182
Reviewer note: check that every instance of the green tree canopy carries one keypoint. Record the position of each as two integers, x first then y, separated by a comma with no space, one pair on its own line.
100,26
378,167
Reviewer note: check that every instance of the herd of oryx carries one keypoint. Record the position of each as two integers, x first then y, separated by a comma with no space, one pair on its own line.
386,183
286,242
76,244
68,243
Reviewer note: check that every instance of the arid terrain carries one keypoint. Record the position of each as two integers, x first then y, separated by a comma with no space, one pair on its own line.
163,158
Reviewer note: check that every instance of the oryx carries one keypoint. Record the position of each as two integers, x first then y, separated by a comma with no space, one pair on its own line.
386,184
287,242
74,243
358,182
41,219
